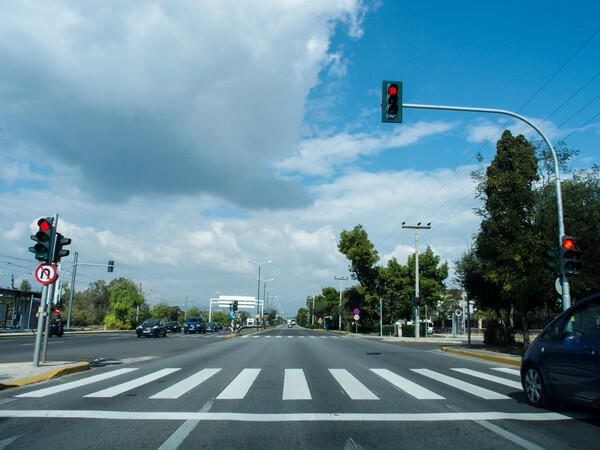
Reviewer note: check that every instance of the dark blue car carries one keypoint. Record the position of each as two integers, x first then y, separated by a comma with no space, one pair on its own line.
563,362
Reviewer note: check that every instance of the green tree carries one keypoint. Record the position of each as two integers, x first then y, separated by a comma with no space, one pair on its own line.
125,298
165,312
362,255
509,243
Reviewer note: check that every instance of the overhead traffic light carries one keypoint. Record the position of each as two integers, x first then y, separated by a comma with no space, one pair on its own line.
551,260
111,266
43,248
59,251
391,101
570,256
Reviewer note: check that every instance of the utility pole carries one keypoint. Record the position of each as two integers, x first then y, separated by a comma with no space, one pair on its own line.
417,227
340,310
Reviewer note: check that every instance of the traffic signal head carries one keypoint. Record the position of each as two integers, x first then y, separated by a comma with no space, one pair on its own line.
417,301
570,256
551,260
111,266
59,251
391,101
235,305
43,249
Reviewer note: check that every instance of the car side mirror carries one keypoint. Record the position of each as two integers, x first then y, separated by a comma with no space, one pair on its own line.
554,332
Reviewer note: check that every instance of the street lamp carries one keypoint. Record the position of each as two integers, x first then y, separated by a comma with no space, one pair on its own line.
258,293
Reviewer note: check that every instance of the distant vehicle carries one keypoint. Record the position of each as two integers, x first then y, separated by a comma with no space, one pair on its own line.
151,327
220,326
250,322
562,362
212,326
291,323
173,326
194,324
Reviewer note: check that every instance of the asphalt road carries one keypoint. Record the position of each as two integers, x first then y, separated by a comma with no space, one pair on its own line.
286,388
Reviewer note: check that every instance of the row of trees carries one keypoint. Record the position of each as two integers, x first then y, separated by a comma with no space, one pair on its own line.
393,283
121,305
503,272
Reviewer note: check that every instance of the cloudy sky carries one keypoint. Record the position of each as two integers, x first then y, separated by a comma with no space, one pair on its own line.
183,139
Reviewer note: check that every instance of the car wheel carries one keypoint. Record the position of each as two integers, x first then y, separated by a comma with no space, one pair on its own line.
165,333
139,336
534,387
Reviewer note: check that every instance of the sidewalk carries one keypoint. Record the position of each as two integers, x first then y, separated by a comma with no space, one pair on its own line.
20,374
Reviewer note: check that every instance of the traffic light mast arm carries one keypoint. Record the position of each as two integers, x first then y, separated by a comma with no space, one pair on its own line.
566,296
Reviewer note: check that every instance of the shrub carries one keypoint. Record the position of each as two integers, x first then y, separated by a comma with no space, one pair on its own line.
497,335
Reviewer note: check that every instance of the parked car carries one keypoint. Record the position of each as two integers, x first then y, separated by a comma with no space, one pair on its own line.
563,362
212,326
151,327
194,324
173,326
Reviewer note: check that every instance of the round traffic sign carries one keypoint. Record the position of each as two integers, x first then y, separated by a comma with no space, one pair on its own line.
356,317
458,312
46,273
356,311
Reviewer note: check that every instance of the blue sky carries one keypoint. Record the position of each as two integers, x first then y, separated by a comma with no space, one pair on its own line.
182,140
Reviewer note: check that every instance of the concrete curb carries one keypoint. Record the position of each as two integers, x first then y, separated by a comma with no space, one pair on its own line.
513,361
55,373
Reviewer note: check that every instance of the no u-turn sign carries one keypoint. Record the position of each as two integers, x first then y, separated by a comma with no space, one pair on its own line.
46,273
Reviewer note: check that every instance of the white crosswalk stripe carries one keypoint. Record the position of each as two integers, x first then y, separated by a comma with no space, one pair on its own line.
75,384
516,372
354,388
492,378
184,386
295,386
239,387
407,386
463,386
124,387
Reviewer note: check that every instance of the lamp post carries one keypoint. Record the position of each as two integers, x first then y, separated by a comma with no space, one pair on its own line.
340,310
258,293
417,227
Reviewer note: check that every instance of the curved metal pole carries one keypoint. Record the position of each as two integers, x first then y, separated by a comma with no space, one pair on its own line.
566,295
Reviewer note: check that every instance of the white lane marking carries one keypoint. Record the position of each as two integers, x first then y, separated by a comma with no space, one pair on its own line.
486,394
124,387
508,435
75,384
240,386
184,386
354,388
295,386
407,386
516,372
181,434
294,417
492,378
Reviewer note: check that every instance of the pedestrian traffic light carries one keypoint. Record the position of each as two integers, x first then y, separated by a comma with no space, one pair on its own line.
111,266
551,260
43,249
570,256
59,251
391,101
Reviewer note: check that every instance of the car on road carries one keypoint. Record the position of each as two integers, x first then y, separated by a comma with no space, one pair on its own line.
173,326
563,362
151,327
212,326
194,324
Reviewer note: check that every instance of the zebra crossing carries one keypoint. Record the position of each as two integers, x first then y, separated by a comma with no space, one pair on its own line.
296,386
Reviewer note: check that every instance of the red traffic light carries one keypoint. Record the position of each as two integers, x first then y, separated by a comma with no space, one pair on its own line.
393,89
568,243
44,224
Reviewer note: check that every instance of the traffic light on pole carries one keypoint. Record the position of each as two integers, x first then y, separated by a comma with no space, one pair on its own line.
551,260
59,251
417,301
391,101
570,256
43,249
235,305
